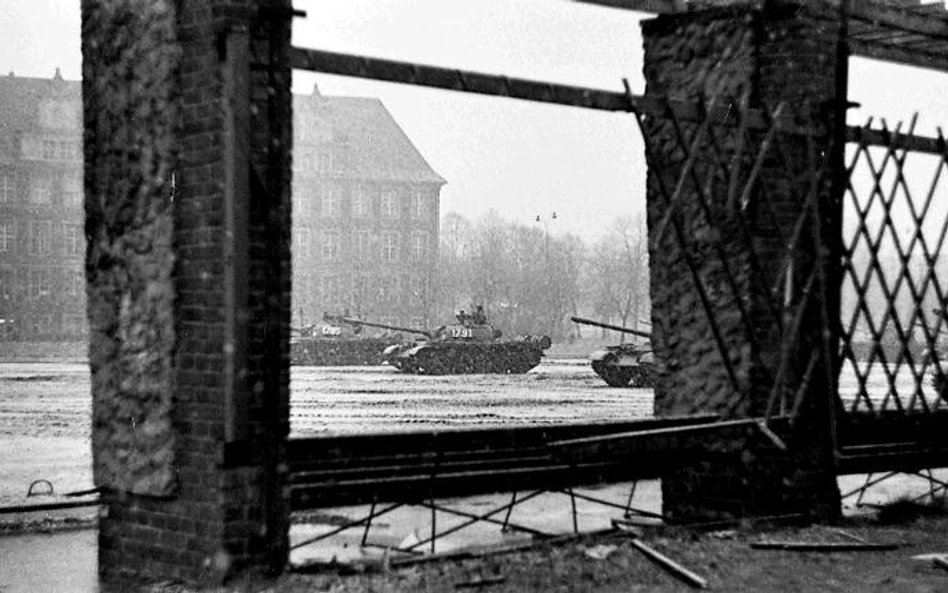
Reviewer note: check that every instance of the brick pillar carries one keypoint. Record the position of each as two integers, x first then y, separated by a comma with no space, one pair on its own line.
188,287
766,56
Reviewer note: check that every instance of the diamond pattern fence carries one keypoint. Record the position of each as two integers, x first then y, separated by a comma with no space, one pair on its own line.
894,341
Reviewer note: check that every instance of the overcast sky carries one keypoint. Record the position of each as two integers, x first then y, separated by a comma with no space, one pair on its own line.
524,159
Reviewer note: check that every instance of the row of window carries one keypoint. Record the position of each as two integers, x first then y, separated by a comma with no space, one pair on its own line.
42,237
364,246
416,290
361,203
72,326
37,148
41,191
31,282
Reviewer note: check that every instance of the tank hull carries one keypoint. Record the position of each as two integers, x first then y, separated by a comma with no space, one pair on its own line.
460,358
338,352
624,366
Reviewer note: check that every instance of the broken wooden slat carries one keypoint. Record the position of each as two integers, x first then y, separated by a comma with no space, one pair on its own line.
672,567
824,546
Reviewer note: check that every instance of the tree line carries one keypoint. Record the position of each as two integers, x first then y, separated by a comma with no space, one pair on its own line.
530,280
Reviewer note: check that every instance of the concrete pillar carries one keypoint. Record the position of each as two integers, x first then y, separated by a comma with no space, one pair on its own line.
764,56
187,138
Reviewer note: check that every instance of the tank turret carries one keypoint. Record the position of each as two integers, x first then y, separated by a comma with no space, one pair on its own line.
471,345
335,342
623,365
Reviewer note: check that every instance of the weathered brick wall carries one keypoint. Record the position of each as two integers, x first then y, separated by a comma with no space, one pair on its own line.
705,56
764,58
225,316
130,118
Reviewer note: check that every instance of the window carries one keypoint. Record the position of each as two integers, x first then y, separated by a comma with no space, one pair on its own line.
301,241
360,289
388,288
42,325
39,238
362,245
324,162
331,202
40,191
329,289
72,193
419,204
74,239
361,207
417,291
7,189
7,282
419,246
301,202
390,247
330,249
76,282
389,204
39,283
49,150
68,150
7,237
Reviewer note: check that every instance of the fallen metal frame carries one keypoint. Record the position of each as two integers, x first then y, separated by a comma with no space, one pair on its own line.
472,519
935,485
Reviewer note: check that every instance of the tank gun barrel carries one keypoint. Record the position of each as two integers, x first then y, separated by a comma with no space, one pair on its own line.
349,320
618,328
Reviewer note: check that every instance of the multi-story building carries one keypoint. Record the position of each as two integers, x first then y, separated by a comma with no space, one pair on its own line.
42,241
365,212
365,215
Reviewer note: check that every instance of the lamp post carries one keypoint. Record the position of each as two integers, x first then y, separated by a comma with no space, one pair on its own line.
553,291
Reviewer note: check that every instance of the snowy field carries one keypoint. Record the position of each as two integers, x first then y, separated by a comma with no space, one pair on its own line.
45,409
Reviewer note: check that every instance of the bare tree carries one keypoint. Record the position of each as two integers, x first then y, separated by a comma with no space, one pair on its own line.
618,279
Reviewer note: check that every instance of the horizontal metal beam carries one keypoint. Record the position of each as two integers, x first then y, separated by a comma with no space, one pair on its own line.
649,6
873,137
899,55
460,80
572,96
530,90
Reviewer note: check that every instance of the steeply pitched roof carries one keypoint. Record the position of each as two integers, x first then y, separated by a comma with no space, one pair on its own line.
20,99
374,145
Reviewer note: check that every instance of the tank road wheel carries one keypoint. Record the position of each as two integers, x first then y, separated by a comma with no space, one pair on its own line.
613,376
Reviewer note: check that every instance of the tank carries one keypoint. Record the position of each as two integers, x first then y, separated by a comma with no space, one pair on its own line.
337,342
471,345
623,365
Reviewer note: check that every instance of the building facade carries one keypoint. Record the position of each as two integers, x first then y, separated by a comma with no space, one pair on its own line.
42,240
366,209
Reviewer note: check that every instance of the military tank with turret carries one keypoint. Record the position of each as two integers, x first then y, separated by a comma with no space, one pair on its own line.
337,342
471,345
622,365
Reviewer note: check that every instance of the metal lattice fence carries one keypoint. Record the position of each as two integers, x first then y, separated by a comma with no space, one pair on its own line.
895,224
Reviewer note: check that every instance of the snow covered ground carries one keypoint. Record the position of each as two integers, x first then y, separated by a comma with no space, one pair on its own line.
45,410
